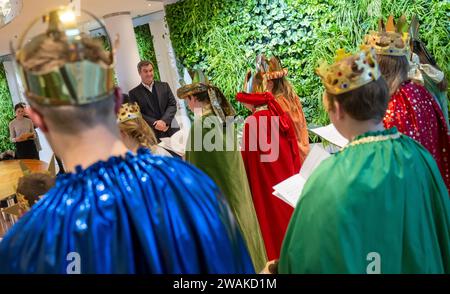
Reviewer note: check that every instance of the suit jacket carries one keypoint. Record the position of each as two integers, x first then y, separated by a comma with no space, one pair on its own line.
166,102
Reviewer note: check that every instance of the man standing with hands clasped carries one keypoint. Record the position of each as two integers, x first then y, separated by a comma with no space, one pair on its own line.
156,100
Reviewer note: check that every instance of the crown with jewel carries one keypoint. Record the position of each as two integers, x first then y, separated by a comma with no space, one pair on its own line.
391,39
349,72
128,111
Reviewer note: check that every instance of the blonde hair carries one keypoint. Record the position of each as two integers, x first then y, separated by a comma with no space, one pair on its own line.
138,130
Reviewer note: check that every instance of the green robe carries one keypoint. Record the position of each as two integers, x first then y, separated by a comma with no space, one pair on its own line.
375,207
440,96
227,170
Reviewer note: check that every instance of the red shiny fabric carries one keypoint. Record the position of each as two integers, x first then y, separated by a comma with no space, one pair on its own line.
416,114
273,213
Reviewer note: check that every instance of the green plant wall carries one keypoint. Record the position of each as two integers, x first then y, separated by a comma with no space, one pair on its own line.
223,37
6,112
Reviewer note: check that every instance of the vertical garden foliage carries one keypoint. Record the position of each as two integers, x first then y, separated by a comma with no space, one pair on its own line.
223,37
6,113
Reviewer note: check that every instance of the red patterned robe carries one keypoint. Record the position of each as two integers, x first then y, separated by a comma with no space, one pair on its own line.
416,114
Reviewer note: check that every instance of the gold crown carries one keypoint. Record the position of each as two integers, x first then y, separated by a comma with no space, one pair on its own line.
128,111
61,64
391,39
346,74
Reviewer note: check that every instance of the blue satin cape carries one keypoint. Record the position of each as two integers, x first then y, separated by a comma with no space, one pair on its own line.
133,214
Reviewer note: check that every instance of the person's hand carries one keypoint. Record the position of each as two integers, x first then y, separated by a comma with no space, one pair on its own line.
22,137
160,126
29,136
271,267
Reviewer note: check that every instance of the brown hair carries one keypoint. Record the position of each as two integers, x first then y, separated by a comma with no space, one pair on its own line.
394,70
34,185
283,87
139,130
19,105
143,63
364,103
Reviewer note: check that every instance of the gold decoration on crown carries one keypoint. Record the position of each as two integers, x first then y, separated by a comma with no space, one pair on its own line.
128,111
349,71
391,39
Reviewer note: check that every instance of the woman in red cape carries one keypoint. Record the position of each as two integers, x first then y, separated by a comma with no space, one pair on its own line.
271,155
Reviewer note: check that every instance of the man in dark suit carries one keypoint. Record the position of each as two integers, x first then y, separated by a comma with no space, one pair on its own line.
156,100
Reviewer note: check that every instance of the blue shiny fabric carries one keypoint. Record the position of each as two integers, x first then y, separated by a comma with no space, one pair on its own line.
133,214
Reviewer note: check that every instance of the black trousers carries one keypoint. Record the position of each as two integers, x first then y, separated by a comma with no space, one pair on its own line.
26,150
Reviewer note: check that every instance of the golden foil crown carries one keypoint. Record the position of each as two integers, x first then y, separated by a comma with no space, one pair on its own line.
349,71
391,39
62,65
128,111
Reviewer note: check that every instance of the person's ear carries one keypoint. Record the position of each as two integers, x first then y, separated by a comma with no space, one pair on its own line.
339,110
118,99
37,118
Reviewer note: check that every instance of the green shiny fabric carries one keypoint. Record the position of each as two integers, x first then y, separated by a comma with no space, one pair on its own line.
227,170
440,96
386,197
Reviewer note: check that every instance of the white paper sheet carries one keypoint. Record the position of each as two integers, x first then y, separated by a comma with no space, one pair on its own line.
290,189
176,143
330,134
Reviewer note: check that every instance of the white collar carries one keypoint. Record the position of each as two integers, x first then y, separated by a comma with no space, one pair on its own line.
148,87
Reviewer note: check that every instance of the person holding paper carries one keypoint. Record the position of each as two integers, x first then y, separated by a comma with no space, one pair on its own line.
412,109
114,212
21,131
284,94
271,155
212,147
380,204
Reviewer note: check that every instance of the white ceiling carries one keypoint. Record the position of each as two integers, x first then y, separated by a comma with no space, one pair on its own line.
34,8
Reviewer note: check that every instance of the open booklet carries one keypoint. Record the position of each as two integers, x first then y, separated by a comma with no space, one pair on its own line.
290,189
330,134
176,143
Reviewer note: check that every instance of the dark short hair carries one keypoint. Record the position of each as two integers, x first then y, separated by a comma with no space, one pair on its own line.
368,102
143,63
19,105
76,119
126,98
